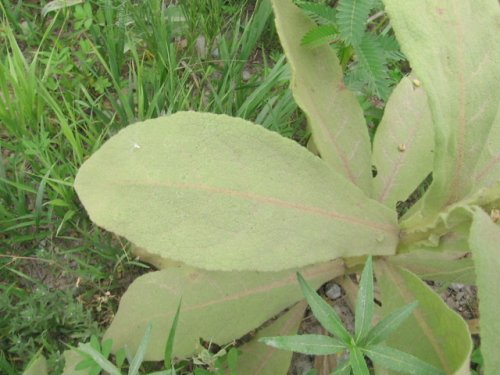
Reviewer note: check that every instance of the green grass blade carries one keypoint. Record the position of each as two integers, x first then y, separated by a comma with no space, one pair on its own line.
99,359
141,351
364,302
324,312
397,360
389,324
169,347
306,344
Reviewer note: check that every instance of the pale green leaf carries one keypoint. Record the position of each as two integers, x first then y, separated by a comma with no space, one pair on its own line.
399,361
37,366
488,168
334,115
306,344
222,193
364,302
72,358
433,333
323,312
216,306
453,47
485,245
446,266
403,144
257,358
445,232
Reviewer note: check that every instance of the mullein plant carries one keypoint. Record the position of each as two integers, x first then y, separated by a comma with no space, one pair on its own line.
229,212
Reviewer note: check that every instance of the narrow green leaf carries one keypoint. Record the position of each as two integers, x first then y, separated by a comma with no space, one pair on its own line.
400,361
306,344
344,368
256,358
484,242
169,347
214,192
56,5
325,314
37,366
231,304
403,144
351,18
448,45
357,361
334,115
99,359
141,351
364,302
388,325
433,333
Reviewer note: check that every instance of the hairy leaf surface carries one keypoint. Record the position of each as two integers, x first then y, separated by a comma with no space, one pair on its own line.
488,169
258,358
403,144
221,193
38,366
334,115
434,333
449,267
453,47
216,306
485,245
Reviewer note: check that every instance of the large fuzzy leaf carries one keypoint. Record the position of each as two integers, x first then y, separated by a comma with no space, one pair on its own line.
448,267
403,144
258,358
488,168
334,115
454,49
221,193
485,245
38,366
434,333
216,306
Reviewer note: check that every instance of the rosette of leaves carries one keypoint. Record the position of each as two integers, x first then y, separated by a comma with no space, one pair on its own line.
366,50
240,209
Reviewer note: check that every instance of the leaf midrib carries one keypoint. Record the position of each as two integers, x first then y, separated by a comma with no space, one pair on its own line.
262,199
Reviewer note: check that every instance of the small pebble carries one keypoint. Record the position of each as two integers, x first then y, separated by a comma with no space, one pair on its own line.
333,291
